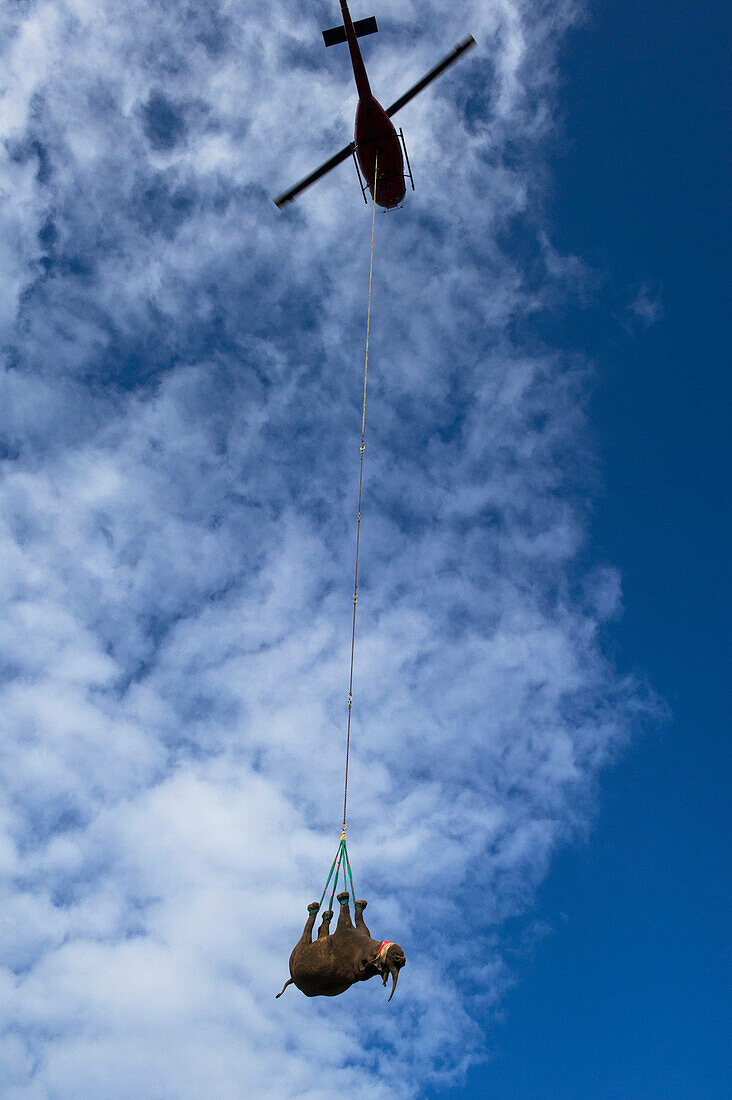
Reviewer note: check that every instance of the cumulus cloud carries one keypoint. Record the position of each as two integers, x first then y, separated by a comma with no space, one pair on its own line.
180,417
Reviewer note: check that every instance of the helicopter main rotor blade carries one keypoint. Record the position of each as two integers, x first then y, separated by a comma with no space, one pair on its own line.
288,196
431,75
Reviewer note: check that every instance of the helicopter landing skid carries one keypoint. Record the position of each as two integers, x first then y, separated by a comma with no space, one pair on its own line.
408,173
361,184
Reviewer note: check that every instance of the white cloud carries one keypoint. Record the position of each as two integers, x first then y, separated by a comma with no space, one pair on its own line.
180,415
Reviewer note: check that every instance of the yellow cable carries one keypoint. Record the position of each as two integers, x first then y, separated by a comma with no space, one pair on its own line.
360,489
368,312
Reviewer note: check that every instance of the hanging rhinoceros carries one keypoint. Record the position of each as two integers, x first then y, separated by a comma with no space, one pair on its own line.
330,964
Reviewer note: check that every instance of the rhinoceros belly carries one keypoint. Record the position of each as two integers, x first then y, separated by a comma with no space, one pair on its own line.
317,972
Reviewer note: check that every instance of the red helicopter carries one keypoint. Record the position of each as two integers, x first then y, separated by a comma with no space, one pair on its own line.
375,135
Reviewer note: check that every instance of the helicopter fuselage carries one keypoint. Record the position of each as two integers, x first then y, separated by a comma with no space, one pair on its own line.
377,144
375,136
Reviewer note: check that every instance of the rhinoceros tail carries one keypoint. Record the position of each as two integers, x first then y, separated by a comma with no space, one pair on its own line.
284,987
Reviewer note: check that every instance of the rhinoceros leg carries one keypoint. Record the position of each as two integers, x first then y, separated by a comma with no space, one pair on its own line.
344,917
305,939
360,923
307,933
324,929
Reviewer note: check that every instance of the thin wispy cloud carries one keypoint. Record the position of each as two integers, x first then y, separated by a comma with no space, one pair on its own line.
180,415
647,305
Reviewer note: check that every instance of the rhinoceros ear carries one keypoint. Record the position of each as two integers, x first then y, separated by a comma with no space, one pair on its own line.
371,959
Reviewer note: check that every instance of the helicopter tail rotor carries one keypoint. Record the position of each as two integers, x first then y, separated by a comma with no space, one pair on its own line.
361,27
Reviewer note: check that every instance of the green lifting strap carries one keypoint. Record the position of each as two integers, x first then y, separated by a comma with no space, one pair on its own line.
339,856
348,867
330,873
340,861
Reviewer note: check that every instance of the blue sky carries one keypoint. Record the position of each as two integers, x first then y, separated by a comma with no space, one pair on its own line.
535,811
629,994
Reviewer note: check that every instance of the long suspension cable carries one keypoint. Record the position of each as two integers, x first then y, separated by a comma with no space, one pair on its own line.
360,489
